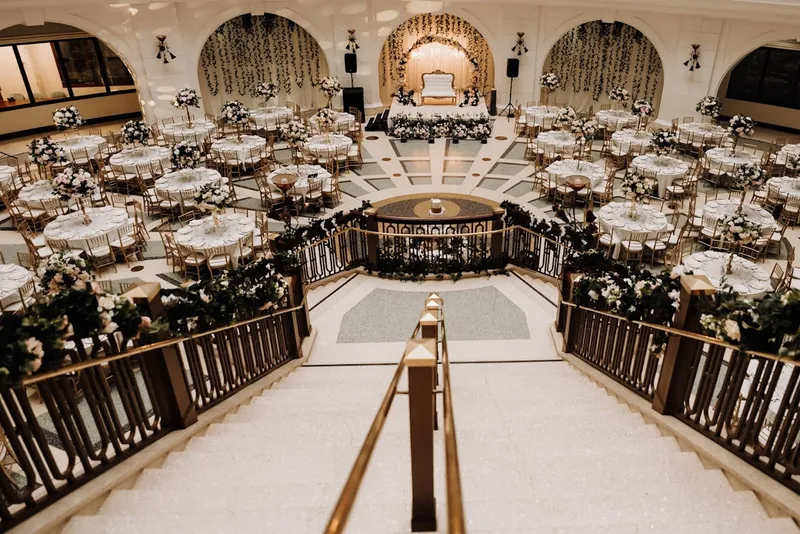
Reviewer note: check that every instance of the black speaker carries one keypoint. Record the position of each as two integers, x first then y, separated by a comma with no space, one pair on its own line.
350,63
512,67
493,102
353,97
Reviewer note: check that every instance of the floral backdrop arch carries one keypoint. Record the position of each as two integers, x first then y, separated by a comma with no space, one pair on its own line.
268,48
595,57
428,42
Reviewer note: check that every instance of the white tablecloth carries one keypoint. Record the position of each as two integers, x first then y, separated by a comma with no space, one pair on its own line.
128,159
542,116
702,132
230,144
720,155
787,186
105,220
269,118
172,184
648,219
660,124
7,175
318,145
33,194
569,167
181,132
746,278
301,185
616,119
12,277
77,145
556,142
344,122
430,111
235,227
665,169
717,209
625,139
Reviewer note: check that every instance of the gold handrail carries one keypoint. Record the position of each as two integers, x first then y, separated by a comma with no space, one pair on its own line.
347,498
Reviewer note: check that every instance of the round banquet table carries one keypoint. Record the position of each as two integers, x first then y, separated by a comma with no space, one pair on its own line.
319,145
786,151
660,124
235,226
301,185
181,132
722,156
12,278
269,118
172,184
127,160
704,132
105,221
664,168
616,119
571,167
344,122
717,209
33,194
648,219
75,146
627,139
542,116
242,150
556,142
746,278
786,185
8,174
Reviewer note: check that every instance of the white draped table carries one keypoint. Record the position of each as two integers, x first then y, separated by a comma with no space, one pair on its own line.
12,278
7,175
324,145
721,157
344,121
105,221
703,132
717,209
79,146
306,172
616,119
746,278
199,130
171,185
269,118
429,112
242,149
127,160
648,219
665,169
556,142
571,167
542,116
32,195
786,185
627,139
197,235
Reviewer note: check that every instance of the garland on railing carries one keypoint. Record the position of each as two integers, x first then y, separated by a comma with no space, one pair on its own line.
318,229
574,238
411,258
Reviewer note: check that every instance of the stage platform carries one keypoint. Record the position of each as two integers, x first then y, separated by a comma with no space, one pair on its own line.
430,110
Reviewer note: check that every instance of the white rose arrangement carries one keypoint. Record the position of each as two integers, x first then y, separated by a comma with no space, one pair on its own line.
212,197
73,184
186,98
326,118
664,142
751,175
642,108
67,118
635,186
738,229
295,133
234,112
185,155
584,130
709,106
330,87
740,125
565,116
43,151
62,271
549,81
135,132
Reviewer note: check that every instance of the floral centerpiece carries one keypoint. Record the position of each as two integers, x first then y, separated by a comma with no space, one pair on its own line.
267,91
75,184
738,126
739,230
664,142
565,117
64,270
480,128
636,188
472,97
584,131
67,118
233,112
185,99
134,132
294,133
185,155
750,175
459,131
643,109
405,96
619,95
43,151
213,198
327,119
330,87
549,82
709,106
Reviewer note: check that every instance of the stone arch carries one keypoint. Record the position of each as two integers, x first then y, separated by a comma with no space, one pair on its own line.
742,50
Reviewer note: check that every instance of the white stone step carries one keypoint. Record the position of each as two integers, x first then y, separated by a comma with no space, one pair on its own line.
548,289
315,297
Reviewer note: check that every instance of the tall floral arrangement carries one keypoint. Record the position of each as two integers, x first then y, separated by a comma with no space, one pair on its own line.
405,96
709,106
330,87
64,270
326,118
185,155
583,129
738,126
738,230
133,132
234,112
73,184
267,91
750,175
185,99
67,118
635,186
549,81
643,109
664,142
212,197
565,116
43,151
295,133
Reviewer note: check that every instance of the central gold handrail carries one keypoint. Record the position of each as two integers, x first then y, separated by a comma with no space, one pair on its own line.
455,501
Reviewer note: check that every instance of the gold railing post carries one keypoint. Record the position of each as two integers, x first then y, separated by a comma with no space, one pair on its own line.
373,239
675,373
297,298
496,245
420,357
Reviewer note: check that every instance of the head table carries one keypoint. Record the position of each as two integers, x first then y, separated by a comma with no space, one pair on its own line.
198,237
648,219
746,278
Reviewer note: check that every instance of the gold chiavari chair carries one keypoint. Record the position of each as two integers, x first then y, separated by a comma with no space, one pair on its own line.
246,251
125,244
217,259
99,251
191,260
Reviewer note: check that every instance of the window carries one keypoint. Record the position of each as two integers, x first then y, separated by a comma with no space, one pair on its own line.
81,66
767,76
12,85
44,76
118,75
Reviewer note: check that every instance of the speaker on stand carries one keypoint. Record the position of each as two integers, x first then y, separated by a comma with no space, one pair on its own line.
512,71
350,65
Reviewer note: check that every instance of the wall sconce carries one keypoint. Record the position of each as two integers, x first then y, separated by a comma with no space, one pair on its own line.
520,47
694,58
164,52
352,45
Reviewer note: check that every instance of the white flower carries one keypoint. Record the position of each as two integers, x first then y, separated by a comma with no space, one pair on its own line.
106,303
731,329
593,295
110,328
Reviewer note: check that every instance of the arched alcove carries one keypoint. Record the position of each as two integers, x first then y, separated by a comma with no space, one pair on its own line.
250,49
428,42
594,57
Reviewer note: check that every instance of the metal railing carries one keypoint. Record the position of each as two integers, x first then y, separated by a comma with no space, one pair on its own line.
420,360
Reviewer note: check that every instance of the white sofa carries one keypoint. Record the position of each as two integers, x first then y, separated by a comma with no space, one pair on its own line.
438,85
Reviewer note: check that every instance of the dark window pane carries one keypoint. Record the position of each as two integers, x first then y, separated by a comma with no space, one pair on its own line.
82,66
118,75
12,86
746,76
780,79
